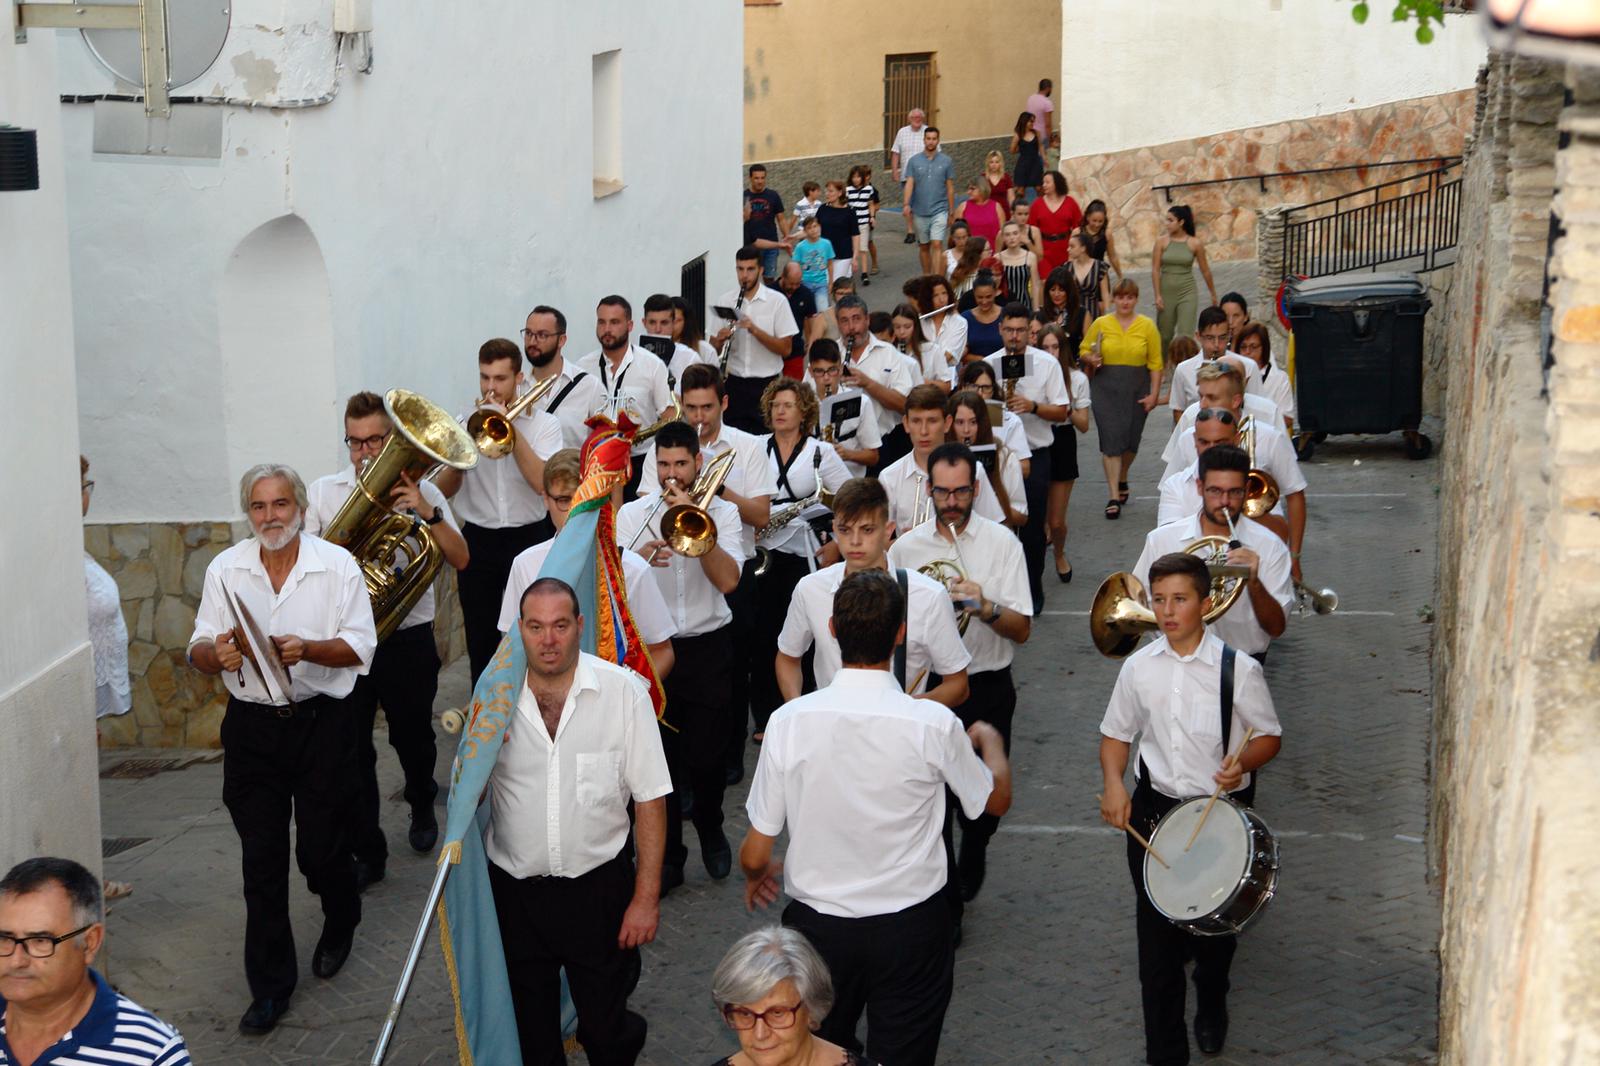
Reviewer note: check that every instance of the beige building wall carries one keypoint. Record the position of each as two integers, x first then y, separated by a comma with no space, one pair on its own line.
814,69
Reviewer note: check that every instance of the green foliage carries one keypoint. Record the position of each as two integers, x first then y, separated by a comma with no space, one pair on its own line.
1424,11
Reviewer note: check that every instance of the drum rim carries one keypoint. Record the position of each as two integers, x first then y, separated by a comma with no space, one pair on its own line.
1190,922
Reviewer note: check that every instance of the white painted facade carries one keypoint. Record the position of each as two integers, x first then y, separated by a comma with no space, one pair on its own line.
1145,73
225,308
49,799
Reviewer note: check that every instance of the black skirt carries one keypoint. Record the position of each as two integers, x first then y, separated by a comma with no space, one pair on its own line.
1064,454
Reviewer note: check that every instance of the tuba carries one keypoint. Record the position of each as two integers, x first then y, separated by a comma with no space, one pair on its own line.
397,553
1260,488
492,431
1121,614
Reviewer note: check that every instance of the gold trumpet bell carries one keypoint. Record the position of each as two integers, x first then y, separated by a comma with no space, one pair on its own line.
1121,615
689,530
1260,493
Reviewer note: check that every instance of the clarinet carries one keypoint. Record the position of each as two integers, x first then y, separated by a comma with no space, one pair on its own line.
727,349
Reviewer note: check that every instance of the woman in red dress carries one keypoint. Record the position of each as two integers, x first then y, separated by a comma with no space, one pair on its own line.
1055,215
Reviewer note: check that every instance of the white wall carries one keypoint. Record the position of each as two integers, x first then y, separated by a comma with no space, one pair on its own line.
48,796
1167,70
447,193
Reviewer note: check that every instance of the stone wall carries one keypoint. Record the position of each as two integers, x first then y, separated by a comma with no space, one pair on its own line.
1516,652
160,570
787,175
1225,215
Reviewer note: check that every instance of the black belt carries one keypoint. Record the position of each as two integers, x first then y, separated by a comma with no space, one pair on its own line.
306,708
1055,236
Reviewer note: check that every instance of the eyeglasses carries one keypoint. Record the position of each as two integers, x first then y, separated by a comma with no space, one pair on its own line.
366,442
42,947
563,502
1214,493
88,486
540,335
941,494
775,1017
1209,414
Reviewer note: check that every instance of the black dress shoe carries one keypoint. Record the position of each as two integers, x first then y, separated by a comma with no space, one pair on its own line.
718,857
1211,1029
262,1016
331,952
424,832
671,878
910,239
733,774
368,873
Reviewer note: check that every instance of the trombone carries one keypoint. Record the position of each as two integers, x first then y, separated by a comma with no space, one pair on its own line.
688,528
1321,601
492,431
1260,488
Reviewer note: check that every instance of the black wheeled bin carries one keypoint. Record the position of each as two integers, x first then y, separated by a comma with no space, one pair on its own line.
1358,356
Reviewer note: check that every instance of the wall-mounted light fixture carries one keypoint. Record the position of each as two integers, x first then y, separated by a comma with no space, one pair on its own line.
19,159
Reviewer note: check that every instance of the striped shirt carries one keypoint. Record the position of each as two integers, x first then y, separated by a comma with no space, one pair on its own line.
861,199
115,1032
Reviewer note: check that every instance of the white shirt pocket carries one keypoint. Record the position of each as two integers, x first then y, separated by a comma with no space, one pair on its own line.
1203,720
599,778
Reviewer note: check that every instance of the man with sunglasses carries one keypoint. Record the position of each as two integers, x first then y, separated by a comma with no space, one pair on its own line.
1260,614
405,669
53,1007
1274,455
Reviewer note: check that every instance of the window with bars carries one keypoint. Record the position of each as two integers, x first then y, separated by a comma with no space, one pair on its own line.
692,287
909,81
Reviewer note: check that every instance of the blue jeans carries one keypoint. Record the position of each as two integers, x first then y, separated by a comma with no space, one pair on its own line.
769,263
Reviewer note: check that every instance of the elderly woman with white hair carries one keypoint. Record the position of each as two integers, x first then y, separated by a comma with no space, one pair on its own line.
773,989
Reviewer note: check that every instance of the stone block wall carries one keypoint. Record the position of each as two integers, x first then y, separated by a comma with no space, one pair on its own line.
1225,215
160,571
1516,659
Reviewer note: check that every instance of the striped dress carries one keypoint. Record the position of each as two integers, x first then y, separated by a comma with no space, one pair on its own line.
115,1032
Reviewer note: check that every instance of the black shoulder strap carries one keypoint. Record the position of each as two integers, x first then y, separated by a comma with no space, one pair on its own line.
900,649
568,387
1228,655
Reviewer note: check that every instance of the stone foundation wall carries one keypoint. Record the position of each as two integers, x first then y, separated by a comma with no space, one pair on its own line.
160,571
1225,215
1516,655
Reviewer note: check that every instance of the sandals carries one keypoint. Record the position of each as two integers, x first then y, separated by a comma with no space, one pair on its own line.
116,889
1113,509
1122,492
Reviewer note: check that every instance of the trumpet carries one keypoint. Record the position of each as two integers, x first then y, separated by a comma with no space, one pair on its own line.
492,431
1260,488
922,509
1121,614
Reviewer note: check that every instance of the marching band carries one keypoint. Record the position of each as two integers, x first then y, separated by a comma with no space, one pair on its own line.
753,503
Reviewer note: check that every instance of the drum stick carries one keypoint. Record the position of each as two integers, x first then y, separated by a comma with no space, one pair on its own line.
1154,854
1232,759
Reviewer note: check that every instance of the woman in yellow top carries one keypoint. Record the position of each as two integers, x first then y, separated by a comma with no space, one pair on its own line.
1122,354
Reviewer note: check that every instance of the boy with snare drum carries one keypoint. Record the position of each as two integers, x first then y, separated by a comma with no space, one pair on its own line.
1186,695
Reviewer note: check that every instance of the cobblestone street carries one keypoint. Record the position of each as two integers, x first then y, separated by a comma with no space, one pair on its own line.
1342,969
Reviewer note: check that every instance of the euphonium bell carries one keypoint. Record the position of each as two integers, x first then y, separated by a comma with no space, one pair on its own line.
688,528
492,431
397,554
1121,614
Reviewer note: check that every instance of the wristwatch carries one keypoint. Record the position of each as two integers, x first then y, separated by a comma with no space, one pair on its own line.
435,518
994,613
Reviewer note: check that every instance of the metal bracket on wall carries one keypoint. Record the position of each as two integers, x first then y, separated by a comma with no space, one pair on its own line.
148,17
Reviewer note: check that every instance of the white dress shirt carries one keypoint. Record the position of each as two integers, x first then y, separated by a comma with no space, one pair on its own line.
884,364
748,476
683,357
1274,454
932,640
1079,387
1011,480
638,385
1174,702
1011,433
1239,626
693,602
1185,389
856,432
769,310
952,338
324,597
1180,496
494,494
907,487
992,557
1276,387
858,772
649,610
559,808
814,463
326,495
1254,406
1043,383
586,398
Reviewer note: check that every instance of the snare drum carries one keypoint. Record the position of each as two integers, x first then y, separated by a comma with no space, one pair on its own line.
1225,879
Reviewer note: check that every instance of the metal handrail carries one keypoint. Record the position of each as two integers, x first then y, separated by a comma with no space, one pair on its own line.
1449,160
1454,162
1412,225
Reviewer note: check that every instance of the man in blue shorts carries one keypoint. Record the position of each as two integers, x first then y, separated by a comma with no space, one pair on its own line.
930,193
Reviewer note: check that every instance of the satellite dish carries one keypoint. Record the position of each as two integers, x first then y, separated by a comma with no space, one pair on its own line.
196,30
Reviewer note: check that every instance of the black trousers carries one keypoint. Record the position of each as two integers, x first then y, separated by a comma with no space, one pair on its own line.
404,679
992,698
744,403
784,571
695,734
547,923
482,585
1164,947
745,603
1034,539
273,766
899,968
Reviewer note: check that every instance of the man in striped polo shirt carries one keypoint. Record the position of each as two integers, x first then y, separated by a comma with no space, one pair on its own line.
53,1007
